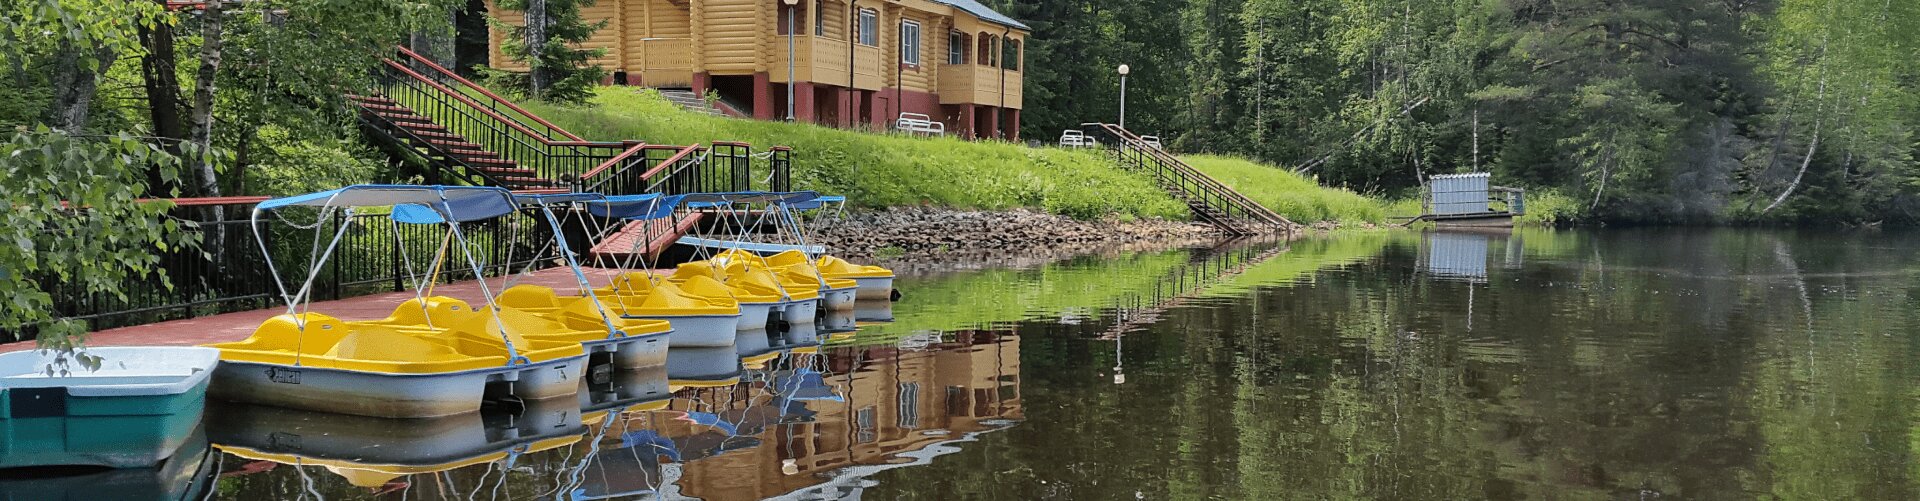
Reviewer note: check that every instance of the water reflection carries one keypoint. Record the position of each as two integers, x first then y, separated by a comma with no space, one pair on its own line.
1536,364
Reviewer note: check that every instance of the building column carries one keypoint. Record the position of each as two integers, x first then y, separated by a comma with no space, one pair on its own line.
848,105
994,131
803,102
700,83
1014,134
762,97
966,121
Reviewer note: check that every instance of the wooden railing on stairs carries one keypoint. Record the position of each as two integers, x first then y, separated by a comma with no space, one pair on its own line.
1211,201
469,119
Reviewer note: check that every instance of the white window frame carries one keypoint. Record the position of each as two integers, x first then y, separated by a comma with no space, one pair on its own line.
867,30
956,47
910,57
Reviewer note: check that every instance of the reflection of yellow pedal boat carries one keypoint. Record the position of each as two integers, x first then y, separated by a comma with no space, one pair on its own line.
372,452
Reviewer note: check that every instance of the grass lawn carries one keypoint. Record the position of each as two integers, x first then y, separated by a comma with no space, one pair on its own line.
878,170
1299,198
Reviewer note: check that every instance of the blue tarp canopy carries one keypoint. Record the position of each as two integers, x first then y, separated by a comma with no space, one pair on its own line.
750,197
648,206
817,202
555,198
412,204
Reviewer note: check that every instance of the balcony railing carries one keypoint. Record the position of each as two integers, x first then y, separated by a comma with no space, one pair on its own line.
979,84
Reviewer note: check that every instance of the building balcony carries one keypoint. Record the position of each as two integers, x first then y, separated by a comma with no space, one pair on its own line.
825,61
979,84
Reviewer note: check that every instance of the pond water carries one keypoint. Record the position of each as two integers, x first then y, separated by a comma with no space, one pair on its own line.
1621,364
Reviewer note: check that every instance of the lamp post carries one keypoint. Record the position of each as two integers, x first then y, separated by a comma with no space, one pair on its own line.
790,16
1124,70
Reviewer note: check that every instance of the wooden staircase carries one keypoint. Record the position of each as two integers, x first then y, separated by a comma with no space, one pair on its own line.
444,149
1210,200
418,111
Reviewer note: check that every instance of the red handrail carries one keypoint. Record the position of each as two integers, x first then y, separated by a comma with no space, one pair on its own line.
682,155
515,124
488,93
611,162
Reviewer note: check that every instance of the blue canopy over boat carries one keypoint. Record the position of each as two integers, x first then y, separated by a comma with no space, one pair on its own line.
639,207
750,197
817,202
554,198
429,204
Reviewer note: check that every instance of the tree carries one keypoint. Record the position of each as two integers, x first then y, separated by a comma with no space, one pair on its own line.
75,218
549,42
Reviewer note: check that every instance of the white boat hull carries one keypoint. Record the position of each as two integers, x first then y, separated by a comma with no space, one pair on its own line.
875,288
701,330
379,394
800,311
633,352
839,299
753,316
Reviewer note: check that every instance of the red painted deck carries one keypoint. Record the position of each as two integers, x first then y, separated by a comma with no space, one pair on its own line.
238,325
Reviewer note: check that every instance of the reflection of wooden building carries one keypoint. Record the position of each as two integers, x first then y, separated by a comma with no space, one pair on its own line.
891,402
855,62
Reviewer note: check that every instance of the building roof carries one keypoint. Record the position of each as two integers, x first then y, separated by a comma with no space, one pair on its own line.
985,13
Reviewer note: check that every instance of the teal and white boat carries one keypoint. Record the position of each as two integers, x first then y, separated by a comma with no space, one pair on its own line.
129,407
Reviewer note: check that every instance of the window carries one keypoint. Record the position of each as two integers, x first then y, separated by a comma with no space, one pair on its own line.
869,27
819,19
1010,57
956,48
910,43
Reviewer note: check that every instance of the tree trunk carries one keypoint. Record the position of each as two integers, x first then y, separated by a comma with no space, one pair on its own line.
1812,147
202,134
536,20
157,68
74,83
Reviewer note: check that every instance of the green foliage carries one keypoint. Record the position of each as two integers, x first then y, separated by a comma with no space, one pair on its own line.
561,65
1550,208
883,170
1646,110
1297,197
73,217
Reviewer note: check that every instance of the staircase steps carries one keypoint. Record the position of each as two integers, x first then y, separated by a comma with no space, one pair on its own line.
652,236
449,150
691,102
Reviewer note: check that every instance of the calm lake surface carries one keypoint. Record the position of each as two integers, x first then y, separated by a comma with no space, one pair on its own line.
1609,364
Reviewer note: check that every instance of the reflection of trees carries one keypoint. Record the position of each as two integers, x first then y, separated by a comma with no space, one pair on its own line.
1620,365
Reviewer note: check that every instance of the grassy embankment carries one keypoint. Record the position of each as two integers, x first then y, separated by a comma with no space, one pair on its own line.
1305,201
878,170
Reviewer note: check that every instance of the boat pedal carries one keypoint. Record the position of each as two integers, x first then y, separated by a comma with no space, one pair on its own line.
894,296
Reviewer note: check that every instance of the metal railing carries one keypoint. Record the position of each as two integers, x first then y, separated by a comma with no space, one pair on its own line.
1212,201
228,272
462,111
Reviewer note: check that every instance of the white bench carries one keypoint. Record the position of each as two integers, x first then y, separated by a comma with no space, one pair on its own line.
1072,138
1152,141
919,124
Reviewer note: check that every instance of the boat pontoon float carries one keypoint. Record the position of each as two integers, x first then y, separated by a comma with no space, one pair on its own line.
306,360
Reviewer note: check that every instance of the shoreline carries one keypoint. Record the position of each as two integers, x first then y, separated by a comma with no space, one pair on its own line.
917,236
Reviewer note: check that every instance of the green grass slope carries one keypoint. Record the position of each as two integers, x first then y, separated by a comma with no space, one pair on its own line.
1299,198
878,170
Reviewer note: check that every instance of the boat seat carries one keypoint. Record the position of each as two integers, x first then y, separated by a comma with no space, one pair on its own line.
833,267
329,343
